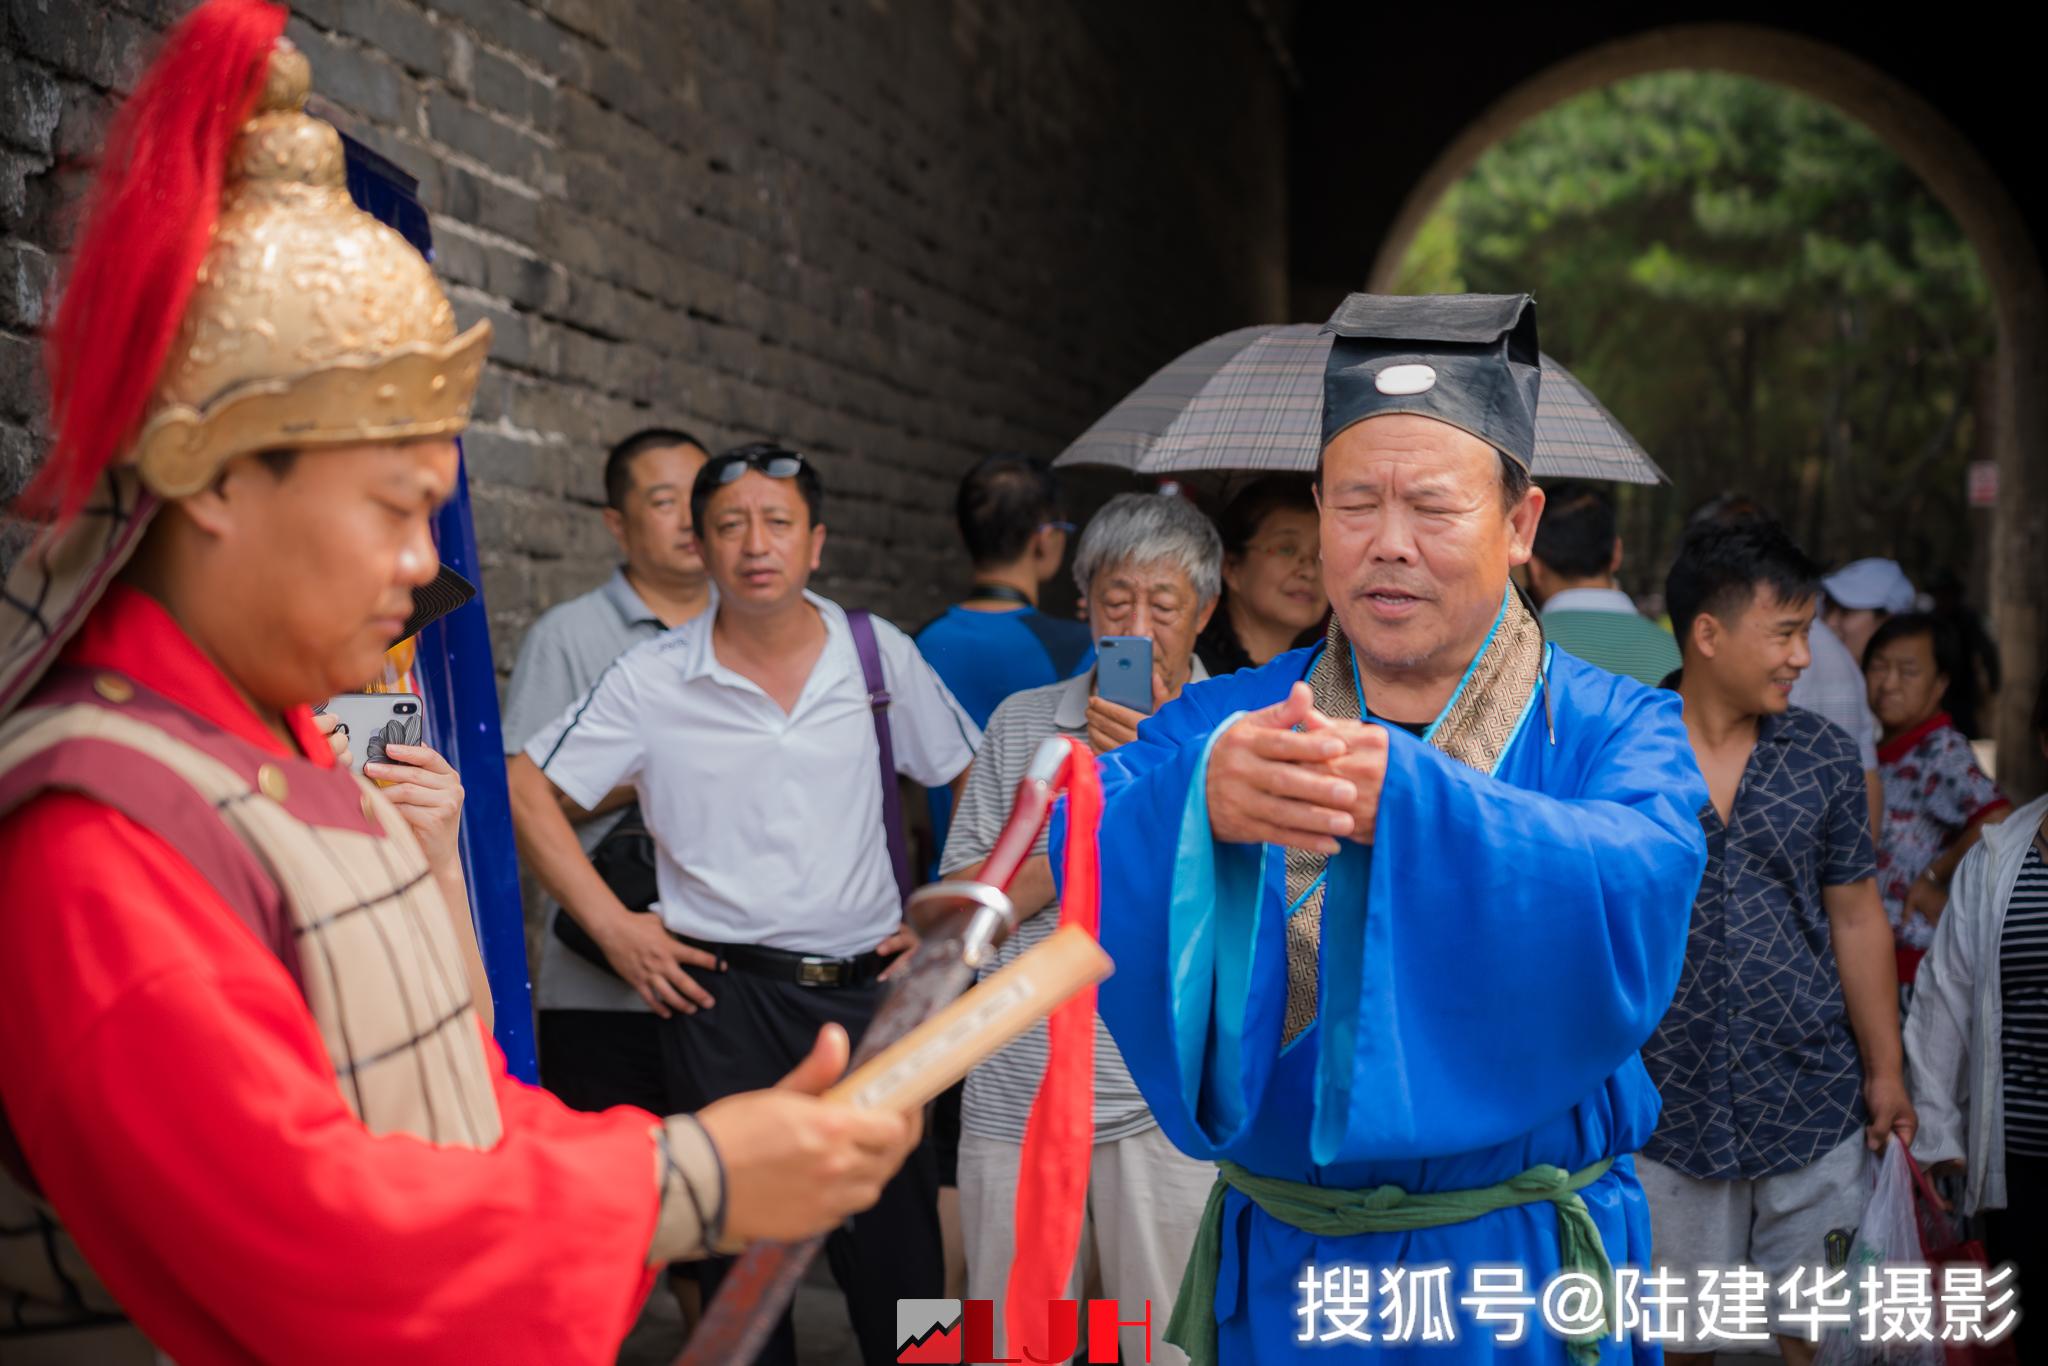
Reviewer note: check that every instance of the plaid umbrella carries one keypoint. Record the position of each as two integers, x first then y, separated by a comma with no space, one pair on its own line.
1253,400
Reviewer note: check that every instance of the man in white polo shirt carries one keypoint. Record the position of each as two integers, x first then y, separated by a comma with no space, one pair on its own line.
750,739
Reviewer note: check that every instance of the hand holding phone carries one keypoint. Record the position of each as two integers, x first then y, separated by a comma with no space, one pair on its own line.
1126,691
372,720
1123,672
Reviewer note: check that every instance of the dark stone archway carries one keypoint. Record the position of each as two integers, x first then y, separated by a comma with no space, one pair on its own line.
1377,142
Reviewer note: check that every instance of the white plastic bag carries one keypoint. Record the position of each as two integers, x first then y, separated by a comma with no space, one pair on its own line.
1888,1235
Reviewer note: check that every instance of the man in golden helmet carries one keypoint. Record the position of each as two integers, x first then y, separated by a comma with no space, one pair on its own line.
241,1059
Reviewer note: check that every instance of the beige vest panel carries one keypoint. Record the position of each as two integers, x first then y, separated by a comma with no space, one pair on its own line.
378,958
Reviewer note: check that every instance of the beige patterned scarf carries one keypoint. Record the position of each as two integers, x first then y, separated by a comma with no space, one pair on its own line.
1474,729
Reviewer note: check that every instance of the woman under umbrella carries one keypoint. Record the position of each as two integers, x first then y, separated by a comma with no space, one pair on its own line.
1273,599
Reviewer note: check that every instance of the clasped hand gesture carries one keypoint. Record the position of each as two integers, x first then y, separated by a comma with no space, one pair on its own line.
1306,788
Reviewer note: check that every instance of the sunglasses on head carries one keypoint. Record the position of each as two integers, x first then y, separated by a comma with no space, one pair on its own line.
723,469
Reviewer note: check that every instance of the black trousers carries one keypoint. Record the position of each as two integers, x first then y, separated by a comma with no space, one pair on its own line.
757,1032
942,1118
2019,1234
595,1059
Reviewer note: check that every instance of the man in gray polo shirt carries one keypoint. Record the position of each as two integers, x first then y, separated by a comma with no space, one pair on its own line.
1148,565
598,1045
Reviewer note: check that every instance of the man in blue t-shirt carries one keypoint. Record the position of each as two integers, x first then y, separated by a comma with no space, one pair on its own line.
996,641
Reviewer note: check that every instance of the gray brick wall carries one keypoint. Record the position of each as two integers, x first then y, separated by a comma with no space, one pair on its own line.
896,235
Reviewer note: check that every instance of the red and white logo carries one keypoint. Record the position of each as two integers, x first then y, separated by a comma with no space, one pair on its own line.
963,1333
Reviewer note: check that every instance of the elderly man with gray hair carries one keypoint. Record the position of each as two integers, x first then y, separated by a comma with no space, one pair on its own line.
1148,565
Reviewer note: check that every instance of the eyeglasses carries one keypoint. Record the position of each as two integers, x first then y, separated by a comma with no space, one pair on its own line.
723,469
1067,527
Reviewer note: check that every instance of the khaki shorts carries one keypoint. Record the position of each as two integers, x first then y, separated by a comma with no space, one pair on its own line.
1771,1223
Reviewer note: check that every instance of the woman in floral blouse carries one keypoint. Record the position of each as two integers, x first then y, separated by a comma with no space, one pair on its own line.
1936,799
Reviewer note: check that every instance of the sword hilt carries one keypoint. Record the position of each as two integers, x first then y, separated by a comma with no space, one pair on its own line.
991,915
994,916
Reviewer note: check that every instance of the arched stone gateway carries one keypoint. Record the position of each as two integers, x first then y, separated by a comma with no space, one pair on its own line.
1985,199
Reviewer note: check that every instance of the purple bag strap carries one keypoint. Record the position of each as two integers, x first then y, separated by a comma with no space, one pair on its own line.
863,628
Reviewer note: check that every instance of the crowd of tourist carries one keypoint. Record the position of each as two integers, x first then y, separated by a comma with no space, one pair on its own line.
707,704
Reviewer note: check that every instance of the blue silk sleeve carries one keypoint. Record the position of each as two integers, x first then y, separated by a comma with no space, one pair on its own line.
1183,981
1501,951
1495,955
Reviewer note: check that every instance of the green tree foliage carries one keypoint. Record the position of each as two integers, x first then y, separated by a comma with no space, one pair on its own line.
1758,288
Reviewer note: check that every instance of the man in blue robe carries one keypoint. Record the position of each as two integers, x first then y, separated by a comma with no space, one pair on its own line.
1392,916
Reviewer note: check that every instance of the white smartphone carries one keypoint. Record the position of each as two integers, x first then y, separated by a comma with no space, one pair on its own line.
1123,671
372,720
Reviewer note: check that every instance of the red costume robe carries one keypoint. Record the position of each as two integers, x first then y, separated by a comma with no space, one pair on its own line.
173,1097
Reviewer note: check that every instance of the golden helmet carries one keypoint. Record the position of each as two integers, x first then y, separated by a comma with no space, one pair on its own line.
311,323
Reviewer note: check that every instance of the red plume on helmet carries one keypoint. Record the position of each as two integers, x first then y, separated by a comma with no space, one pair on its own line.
147,224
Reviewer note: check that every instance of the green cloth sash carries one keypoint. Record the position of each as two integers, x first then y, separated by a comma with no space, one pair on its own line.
1333,1213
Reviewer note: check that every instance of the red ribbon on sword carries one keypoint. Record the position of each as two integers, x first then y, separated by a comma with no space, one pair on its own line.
1052,1181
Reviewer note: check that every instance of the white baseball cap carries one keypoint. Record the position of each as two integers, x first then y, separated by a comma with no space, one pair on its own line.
1879,585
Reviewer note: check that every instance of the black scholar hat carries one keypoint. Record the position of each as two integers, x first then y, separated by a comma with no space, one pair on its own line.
1466,359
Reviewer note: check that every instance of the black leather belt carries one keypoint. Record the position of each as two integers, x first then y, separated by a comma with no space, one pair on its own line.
804,969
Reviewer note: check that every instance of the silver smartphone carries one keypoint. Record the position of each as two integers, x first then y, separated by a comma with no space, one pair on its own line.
1123,671
372,720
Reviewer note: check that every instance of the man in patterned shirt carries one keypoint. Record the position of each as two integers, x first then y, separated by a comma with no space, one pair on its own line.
1780,1061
